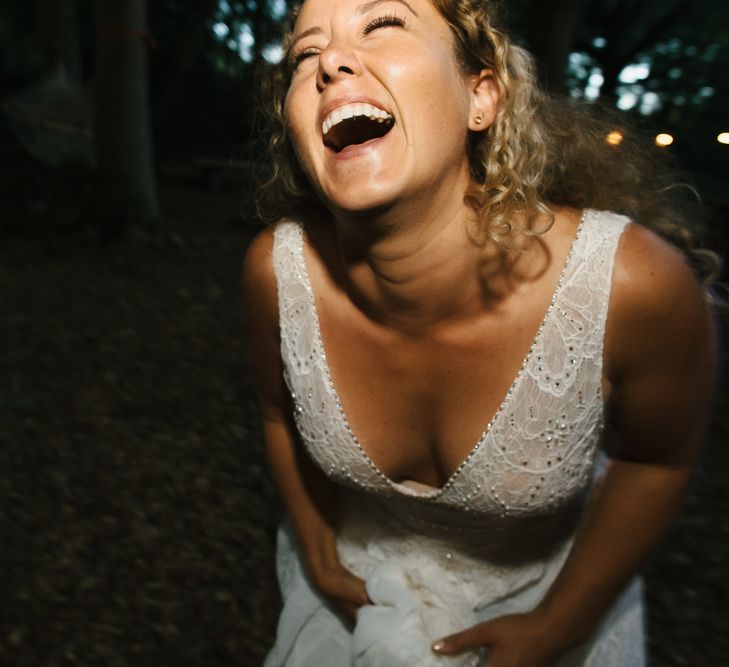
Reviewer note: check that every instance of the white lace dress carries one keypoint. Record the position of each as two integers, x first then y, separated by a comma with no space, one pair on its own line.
492,539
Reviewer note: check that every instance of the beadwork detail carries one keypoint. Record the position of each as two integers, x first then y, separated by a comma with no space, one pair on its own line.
537,451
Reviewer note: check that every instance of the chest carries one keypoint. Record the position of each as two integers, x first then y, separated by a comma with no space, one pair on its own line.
389,413
419,404
500,418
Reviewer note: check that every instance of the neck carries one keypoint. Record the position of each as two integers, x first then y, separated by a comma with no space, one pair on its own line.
413,268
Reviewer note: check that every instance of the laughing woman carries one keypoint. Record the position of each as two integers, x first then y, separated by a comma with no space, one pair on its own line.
442,325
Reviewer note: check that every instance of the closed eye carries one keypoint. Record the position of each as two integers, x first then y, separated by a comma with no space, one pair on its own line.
384,21
299,56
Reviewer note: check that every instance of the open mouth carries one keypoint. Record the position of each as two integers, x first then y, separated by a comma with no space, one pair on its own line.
355,124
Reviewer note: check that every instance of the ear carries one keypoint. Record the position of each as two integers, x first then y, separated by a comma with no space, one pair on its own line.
485,95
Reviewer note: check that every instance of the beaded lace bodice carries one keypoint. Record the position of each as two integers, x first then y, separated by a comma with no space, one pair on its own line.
536,455
492,539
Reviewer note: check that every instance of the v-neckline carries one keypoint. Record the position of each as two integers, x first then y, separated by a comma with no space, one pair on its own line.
436,491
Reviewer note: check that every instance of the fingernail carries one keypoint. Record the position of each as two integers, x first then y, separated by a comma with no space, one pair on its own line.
439,645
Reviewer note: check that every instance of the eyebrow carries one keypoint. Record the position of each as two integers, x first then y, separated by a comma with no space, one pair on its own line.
306,33
362,9
369,6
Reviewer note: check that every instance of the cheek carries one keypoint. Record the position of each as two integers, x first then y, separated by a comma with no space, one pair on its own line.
290,113
295,123
438,97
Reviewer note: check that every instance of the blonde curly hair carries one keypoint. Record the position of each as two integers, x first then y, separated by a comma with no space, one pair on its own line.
540,152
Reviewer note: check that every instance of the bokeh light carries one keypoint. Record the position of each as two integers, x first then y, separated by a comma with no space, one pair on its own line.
615,138
723,138
663,140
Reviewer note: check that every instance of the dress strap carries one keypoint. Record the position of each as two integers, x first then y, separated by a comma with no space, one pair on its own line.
597,248
572,334
297,319
288,246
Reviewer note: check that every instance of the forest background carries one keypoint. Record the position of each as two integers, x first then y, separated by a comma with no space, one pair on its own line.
136,512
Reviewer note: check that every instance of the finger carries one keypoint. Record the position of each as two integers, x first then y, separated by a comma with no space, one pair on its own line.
348,608
351,594
353,589
472,638
360,592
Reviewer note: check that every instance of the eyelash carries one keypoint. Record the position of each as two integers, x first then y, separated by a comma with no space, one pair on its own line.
383,21
386,20
296,57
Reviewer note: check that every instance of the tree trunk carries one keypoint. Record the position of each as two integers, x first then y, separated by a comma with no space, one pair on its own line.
197,34
551,36
58,34
127,183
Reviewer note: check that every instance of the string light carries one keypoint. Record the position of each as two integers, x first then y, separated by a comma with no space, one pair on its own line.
615,138
663,140
723,138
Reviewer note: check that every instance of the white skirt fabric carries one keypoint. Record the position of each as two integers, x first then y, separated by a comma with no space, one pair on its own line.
416,601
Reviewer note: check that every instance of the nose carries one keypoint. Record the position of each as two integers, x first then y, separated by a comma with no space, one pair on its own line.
336,62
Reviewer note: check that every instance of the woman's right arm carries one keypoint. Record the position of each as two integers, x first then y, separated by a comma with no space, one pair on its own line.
307,495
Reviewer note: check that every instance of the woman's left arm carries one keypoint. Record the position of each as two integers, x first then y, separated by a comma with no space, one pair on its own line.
660,360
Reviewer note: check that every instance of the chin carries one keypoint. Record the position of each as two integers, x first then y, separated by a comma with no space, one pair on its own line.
352,212
362,202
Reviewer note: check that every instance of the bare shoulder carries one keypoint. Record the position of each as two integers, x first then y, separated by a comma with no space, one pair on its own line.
657,307
660,352
258,260
262,327
258,279
653,279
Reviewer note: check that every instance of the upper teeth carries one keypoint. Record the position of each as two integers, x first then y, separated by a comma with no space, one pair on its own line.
352,110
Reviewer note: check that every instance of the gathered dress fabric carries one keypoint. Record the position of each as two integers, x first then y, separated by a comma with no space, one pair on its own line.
493,538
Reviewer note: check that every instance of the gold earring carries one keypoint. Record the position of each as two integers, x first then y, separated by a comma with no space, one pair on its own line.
478,120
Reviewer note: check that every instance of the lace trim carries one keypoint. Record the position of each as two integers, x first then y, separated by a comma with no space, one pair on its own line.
583,305
507,398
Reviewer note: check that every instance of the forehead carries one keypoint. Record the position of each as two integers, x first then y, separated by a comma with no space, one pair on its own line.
321,10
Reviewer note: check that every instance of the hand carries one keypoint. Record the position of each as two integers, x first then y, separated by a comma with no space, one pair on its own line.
516,640
344,590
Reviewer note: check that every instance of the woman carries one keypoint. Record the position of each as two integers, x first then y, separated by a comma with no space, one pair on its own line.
438,286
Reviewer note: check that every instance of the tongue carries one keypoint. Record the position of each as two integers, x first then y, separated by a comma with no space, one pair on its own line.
356,130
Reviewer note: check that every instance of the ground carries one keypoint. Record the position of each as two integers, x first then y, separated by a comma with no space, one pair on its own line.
137,513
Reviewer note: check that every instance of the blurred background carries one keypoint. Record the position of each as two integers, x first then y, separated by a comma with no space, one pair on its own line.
136,512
